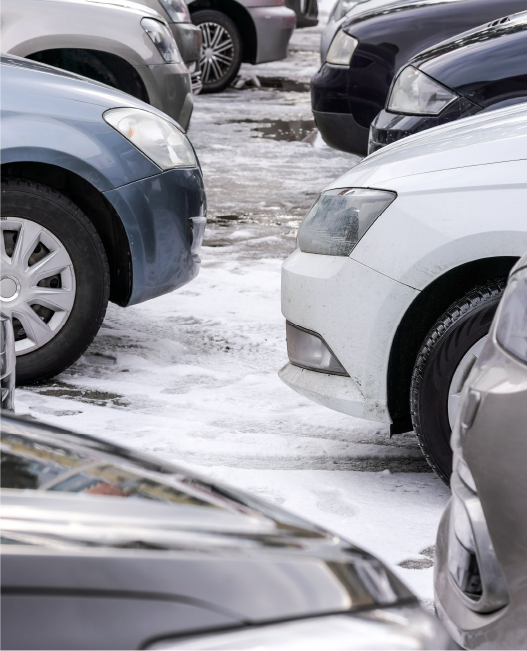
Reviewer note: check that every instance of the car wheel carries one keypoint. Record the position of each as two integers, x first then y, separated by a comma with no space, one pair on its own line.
55,278
443,364
221,50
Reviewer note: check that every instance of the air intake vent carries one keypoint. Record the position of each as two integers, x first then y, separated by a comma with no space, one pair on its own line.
500,21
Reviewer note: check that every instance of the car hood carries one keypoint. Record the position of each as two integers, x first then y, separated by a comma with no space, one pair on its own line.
484,139
24,76
475,62
88,504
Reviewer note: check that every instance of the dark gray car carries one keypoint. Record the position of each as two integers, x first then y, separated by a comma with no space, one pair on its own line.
481,555
104,548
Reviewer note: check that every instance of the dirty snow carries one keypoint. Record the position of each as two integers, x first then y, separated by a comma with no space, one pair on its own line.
192,376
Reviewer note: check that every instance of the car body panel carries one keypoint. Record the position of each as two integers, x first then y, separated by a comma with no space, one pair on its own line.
461,198
163,213
485,67
388,37
274,27
494,448
187,555
31,26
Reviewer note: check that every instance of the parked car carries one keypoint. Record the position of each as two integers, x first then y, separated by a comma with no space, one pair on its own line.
102,197
481,559
306,12
481,70
236,31
7,360
351,87
187,35
400,266
106,548
140,57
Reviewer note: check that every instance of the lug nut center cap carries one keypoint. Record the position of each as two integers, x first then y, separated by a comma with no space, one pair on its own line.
9,288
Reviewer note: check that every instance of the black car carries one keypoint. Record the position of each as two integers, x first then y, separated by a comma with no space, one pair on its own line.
105,548
481,70
351,87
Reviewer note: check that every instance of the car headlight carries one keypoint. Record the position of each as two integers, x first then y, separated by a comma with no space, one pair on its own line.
417,94
339,218
391,628
177,10
155,137
163,39
511,328
341,8
341,49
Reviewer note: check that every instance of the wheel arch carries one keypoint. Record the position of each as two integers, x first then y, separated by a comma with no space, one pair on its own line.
99,211
72,59
241,17
419,318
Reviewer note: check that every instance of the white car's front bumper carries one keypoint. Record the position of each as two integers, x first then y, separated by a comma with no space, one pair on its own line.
356,310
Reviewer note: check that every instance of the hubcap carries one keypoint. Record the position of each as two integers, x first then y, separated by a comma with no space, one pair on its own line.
217,52
460,377
37,288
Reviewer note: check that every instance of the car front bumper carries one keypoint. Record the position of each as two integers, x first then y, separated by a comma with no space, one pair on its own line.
356,310
493,446
164,217
274,27
390,127
169,89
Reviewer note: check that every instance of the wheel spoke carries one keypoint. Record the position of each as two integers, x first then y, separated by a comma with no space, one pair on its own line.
217,37
55,262
54,299
216,68
36,330
223,59
28,237
222,48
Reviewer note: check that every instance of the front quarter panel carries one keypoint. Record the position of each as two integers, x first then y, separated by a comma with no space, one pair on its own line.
444,219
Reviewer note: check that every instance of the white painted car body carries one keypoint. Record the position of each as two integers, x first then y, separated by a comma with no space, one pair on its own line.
461,197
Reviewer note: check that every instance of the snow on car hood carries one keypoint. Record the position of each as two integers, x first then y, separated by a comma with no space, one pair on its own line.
492,137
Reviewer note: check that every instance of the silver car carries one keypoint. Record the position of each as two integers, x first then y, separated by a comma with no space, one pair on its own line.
237,31
481,555
122,44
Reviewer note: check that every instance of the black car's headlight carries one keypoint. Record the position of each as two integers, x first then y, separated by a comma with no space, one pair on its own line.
155,137
339,218
163,39
511,327
177,10
387,628
341,49
417,94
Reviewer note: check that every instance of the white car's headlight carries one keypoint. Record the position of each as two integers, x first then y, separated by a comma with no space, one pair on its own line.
390,628
339,218
341,49
177,10
157,138
163,39
511,328
341,8
417,94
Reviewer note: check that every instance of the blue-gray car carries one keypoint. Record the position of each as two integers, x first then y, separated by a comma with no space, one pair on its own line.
102,199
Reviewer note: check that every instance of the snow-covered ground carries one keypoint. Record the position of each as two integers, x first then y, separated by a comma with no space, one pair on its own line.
192,376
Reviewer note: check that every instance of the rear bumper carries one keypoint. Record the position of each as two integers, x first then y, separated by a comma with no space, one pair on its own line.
169,89
340,131
188,39
274,27
164,217
356,310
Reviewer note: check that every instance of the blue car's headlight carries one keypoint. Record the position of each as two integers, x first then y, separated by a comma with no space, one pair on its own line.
339,218
157,138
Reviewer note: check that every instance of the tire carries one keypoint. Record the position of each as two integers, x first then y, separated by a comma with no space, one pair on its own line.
448,345
73,274
221,61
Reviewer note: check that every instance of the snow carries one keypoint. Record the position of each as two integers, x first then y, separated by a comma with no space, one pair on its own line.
192,376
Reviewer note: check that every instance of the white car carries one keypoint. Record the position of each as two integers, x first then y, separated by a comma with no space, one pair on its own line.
400,266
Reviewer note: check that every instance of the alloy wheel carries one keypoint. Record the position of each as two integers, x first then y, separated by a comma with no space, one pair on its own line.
37,287
217,52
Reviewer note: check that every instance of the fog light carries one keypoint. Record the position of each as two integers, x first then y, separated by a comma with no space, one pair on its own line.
308,350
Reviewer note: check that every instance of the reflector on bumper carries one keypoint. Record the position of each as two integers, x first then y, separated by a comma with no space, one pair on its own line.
308,350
